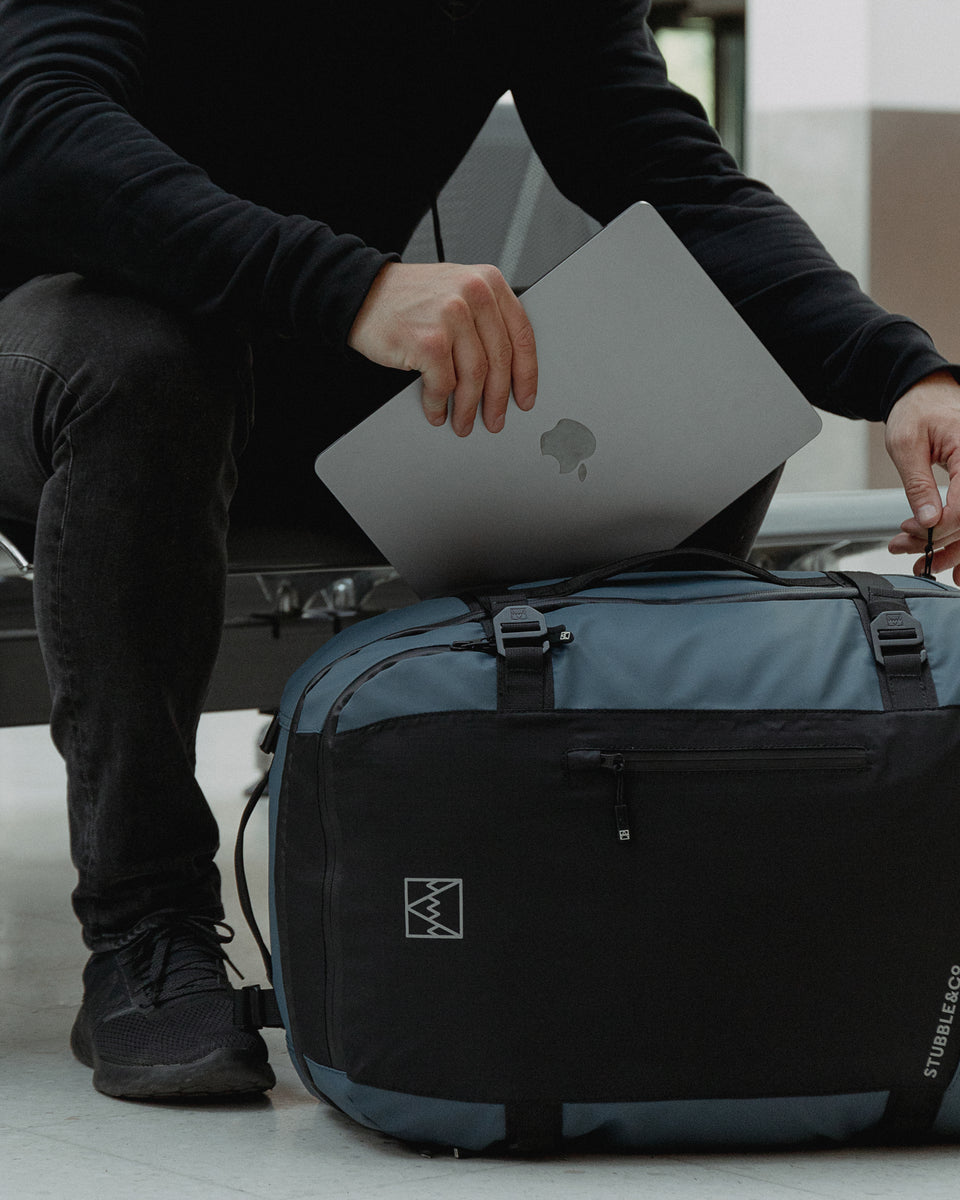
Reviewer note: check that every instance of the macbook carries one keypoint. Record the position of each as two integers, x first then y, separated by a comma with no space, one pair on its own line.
656,407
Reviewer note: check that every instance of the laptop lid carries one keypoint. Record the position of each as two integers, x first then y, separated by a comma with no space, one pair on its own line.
656,407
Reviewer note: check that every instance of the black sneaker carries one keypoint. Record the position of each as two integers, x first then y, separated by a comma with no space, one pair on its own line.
157,1020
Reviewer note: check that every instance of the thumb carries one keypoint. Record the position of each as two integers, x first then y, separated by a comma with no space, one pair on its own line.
913,462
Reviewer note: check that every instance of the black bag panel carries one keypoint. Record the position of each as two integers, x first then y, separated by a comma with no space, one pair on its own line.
489,937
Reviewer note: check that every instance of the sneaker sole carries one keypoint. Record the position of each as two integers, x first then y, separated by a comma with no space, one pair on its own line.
223,1072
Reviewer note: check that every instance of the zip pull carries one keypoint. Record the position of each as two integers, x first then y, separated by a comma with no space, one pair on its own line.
621,812
928,558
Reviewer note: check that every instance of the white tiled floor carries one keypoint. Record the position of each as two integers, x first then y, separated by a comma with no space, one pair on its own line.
59,1138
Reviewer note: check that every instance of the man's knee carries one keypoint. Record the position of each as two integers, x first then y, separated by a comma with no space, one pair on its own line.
163,376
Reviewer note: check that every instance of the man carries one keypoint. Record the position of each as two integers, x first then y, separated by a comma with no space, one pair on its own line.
156,160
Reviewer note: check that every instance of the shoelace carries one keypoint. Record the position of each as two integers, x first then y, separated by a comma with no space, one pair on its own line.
183,956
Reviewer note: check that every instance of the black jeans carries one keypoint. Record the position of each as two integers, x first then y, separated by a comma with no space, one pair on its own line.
121,427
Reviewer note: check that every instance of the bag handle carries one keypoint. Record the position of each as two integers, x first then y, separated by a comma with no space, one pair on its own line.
240,871
656,558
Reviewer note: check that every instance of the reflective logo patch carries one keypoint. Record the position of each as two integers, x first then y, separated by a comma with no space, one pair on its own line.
434,908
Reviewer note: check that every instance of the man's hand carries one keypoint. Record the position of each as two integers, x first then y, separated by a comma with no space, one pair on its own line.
462,328
923,429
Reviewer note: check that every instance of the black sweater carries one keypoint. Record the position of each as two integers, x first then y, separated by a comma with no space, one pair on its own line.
258,164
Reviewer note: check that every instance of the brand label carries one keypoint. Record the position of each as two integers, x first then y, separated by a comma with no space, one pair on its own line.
944,1028
433,908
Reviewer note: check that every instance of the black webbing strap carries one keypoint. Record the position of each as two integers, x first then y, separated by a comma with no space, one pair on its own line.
912,1108
239,865
909,1116
524,681
896,639
534,1127
255,1007
524,661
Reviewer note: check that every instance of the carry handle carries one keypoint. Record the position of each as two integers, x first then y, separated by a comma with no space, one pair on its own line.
656,558
240,871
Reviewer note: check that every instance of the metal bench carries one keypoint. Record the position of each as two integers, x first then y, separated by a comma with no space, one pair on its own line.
288,592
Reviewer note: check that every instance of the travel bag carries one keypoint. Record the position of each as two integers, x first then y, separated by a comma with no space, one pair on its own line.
651,858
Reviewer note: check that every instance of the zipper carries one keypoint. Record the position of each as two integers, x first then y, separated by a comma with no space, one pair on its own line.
704,761
473,614
384,664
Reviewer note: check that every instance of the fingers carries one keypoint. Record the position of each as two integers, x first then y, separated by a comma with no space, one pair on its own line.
923,428
946,554
462,328
946,538
494,350
908,444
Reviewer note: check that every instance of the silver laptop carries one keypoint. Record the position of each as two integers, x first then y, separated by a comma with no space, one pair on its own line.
656,407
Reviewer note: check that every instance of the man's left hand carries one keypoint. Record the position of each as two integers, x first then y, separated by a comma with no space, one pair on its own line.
923,430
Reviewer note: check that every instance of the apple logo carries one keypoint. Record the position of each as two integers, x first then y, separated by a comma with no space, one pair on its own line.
570,443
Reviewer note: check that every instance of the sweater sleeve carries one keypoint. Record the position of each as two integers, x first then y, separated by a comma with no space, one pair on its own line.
593,92
84,186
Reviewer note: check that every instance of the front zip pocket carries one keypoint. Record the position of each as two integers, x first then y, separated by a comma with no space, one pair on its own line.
700,761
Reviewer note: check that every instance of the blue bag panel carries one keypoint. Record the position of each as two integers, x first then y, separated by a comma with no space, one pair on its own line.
412,1118
719,650
631,656
341,676
938,619
646,1125
666,1124
780,654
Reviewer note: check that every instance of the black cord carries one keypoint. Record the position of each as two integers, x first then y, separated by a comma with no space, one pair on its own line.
437,236
928,557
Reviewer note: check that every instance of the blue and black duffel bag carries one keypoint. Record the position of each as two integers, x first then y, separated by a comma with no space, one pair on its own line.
649,858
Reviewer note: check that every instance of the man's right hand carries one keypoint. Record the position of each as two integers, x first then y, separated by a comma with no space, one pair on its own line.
462,328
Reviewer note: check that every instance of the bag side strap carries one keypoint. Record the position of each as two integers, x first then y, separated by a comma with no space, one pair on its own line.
896,639
534,1128
240,870
256,1008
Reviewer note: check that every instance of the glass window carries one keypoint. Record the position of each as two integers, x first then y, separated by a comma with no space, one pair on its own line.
690,52
703,44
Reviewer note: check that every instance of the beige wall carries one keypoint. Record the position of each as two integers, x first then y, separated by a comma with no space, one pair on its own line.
915,232
854,117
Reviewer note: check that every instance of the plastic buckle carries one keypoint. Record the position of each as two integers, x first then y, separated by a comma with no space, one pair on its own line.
894,633
519,624
255,1007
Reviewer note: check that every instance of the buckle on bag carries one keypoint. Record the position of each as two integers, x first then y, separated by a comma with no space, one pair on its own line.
895,633
520,625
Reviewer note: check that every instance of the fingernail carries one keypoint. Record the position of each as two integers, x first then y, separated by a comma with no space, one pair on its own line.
927,514
527,402
496,425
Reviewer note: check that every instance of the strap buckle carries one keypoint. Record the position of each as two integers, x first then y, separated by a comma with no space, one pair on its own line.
520,625
895,633
255,1007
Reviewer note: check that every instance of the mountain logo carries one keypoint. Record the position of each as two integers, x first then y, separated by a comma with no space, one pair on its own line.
434,908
